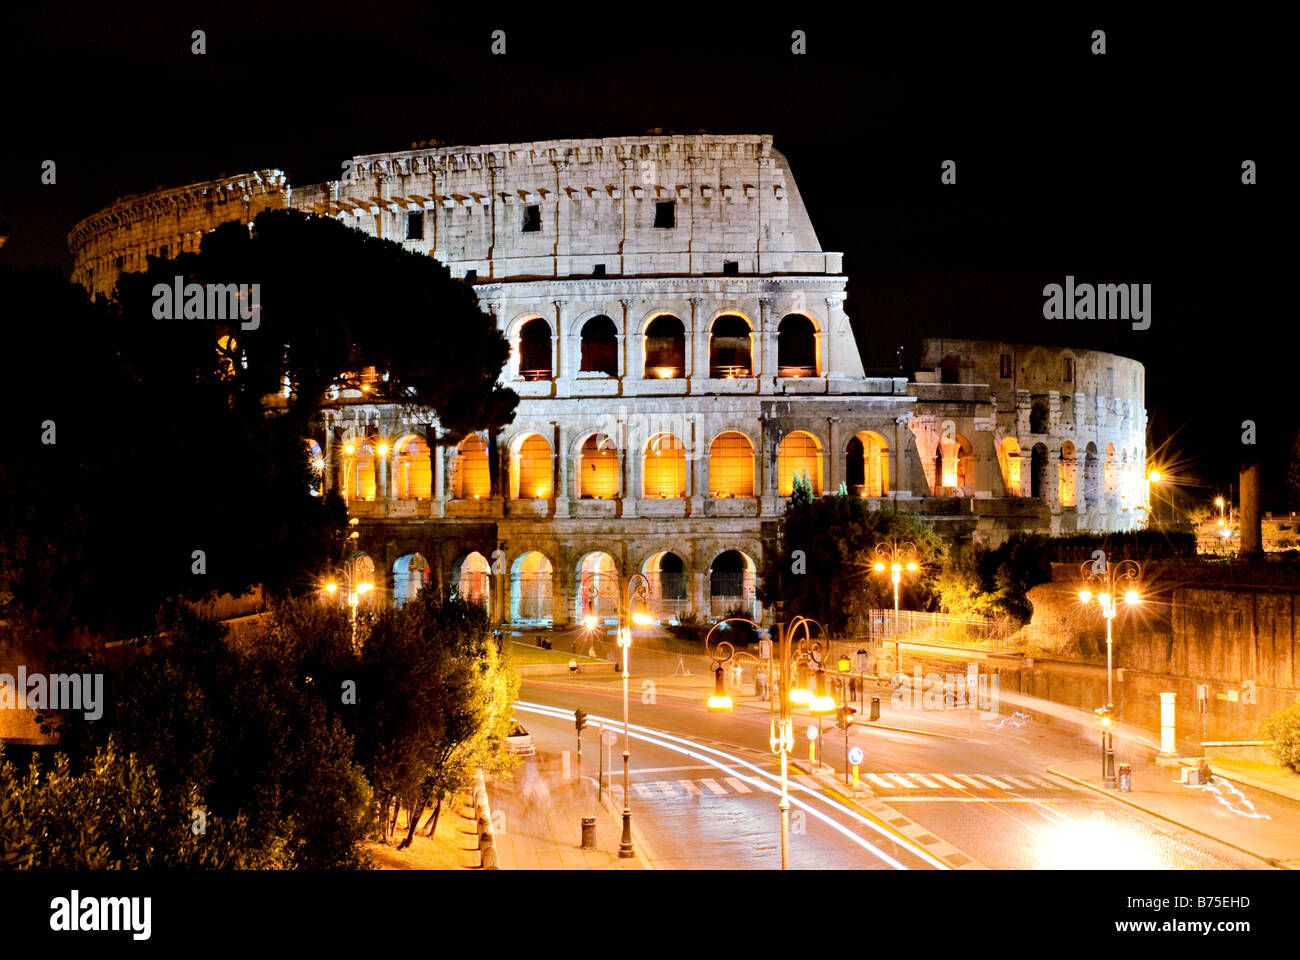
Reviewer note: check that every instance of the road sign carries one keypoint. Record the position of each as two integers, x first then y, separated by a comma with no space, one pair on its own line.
855,756
609,738
812,732
765,648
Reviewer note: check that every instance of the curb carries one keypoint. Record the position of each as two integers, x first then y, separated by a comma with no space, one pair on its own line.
483,815
1271,861
639,846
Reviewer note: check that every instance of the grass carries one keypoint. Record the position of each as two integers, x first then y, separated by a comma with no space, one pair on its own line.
525,653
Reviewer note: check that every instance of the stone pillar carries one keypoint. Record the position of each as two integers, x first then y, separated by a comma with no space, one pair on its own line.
832,457
698,351
631,354
696,475
564,359
561,599
698,593
765,352
898,473
1026,465
1252,541
560,470
837,354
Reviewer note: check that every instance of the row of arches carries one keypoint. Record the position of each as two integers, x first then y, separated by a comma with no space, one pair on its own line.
1112,474
731,467
595,589
731,342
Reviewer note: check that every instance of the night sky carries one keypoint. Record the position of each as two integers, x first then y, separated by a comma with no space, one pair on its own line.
1123,168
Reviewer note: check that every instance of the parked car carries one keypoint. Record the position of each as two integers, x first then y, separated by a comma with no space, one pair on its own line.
520,741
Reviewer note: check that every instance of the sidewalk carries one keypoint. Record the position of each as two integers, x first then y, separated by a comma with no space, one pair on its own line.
541,826
1218,810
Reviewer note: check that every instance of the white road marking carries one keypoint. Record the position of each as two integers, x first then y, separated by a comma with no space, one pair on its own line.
880,781
996,782
971,780
903,780
690,787
1019,783
643,790
923,780
667,787
952,783
713,786
737,785
1046,783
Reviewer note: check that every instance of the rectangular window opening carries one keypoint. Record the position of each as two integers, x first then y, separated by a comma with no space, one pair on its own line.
666,213
415,226
533,218
731,268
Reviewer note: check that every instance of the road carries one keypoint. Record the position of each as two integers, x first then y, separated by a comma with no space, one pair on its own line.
989,795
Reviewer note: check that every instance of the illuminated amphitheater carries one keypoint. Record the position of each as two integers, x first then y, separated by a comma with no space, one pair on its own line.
682,354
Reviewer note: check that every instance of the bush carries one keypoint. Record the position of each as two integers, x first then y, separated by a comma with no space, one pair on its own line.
1283,728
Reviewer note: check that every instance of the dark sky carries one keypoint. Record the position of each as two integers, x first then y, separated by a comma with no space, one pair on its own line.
1117,168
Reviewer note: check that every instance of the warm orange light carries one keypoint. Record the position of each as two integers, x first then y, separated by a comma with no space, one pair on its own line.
822,704
365,587
1154,476
331,587
349,449
1132,596
911,566
1218,502
383,449
1085,596
720,704
642,619
801,696
880,568
589,622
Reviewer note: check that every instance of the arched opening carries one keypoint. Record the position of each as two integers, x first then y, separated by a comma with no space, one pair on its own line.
600,347
731,584
866,464
472,579
535,350
1038,472
363,586
598,587
533,469
731,465
1112,469
1038,418
799,455
1091,476
665,468
531,588
470,479
666,574
598,469
730,347
1009,461
361,475
228,355
665,349
955,463
411,574
1065,472
796,347
414,469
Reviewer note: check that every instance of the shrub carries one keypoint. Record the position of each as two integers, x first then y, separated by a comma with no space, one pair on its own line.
1283,728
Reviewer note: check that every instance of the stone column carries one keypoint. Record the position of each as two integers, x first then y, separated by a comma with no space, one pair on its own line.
696,479
832,458
560,470
631,352
765,352
898,472
837,354
698,349
564,361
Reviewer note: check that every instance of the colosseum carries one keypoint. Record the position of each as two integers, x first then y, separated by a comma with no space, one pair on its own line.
682,354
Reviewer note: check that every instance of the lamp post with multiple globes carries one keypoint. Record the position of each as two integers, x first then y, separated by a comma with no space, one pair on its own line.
896,558
1112,579
637,589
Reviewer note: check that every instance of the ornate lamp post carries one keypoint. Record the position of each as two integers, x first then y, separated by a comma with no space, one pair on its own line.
638,588
353,591
1112,579
788,668
896,557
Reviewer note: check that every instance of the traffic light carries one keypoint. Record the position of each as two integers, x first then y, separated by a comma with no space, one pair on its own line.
580,719
844,717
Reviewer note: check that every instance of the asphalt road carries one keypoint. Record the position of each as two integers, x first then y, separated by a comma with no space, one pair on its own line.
983,787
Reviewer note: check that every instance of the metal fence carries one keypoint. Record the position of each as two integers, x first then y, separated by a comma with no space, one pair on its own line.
920,626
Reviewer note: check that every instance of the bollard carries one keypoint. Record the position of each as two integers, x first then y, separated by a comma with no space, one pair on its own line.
875,708
1125,778
589,833
489,861
486,840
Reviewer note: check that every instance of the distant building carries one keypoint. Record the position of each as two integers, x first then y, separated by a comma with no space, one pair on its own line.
679,341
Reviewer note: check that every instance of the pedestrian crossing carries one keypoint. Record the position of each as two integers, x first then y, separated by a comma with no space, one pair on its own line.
905,784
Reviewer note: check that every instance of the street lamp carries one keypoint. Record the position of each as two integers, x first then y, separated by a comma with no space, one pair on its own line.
787,667
638,588
1112,580
896,558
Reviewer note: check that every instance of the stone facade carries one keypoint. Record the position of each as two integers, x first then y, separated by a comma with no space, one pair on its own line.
679,343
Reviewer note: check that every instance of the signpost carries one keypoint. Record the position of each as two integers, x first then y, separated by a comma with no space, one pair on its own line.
855,758
608,738
812,744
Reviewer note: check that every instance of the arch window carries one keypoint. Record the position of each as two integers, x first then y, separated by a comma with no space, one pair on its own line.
731,584
598,468
867,464
598,588
1038,418
664,467
1091,475
1038,472
1066,476
411,574
799,455
1009,461
600,347
796,347
414,469
730,345
731,465
472,580
531,588
665,349
533,469
1112,469
535,350
470,478
362,476
666,574
954,462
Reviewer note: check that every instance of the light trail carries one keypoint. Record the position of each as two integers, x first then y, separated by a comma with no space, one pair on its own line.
763,780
